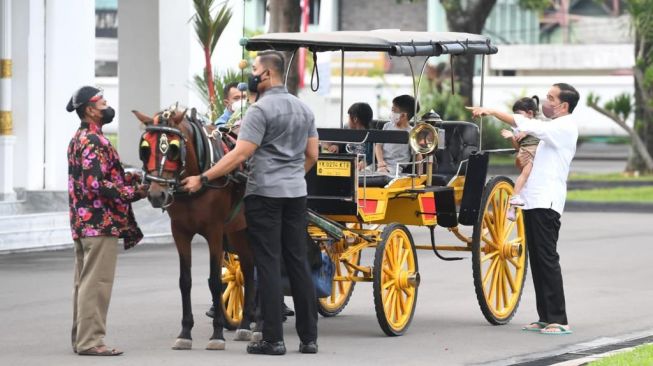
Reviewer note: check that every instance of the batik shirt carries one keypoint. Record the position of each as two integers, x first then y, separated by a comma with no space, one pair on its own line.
99,194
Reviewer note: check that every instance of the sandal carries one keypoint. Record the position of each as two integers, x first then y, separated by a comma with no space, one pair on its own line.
556,329
534,327
95,351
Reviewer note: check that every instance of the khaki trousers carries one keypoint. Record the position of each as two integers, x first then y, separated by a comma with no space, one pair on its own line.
95,267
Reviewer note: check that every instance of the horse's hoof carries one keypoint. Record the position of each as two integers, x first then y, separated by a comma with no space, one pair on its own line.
243,335
182,344
257,336
216,345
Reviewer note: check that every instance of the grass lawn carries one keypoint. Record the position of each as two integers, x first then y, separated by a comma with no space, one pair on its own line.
642,355
619,194
611,177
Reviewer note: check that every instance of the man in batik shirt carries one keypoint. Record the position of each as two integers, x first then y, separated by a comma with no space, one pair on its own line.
100,196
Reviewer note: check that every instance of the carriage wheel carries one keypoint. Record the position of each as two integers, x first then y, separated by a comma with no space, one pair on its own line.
340,290
395,279
498,254
233,291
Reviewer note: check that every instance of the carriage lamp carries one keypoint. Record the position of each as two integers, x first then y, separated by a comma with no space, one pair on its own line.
424,139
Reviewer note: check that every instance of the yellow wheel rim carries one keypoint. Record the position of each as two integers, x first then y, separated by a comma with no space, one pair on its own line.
502,253
233,296
340,289
398,279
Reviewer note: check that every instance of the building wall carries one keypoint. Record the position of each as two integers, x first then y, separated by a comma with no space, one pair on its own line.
378,14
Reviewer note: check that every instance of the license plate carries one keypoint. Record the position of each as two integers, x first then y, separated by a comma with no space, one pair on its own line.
334,168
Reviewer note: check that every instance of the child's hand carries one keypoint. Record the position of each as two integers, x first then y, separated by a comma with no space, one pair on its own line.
520,136
507,134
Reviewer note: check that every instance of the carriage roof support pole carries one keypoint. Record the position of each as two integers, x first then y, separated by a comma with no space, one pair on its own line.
342,88
285,79
480,143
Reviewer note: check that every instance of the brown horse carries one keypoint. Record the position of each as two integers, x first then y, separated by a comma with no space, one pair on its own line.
172,147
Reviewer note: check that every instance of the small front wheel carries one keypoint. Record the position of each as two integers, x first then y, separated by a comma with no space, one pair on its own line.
395,279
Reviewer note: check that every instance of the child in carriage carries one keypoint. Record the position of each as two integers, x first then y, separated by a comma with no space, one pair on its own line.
526,146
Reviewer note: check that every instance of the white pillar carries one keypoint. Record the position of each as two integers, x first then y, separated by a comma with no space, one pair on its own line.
7,139
138,71
28,92
70,64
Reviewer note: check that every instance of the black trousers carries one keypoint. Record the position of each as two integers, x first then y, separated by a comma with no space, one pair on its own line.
542,228
276,228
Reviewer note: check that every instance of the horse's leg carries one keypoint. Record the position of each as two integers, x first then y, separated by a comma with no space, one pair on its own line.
239,242
182,241
215,285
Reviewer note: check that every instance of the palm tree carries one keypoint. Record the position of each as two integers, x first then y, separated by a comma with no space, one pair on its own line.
208,30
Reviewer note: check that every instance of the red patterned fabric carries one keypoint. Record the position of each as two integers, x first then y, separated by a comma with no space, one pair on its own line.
99,193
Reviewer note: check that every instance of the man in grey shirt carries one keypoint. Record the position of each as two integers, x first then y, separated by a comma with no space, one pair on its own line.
279,137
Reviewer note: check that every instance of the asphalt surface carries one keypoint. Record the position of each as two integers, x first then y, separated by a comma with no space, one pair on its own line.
605,261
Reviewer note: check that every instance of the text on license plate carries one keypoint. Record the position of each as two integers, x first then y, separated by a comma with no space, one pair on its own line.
334,168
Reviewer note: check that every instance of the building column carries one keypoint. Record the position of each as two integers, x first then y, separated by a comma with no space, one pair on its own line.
70,64
139,79
28,92
7,138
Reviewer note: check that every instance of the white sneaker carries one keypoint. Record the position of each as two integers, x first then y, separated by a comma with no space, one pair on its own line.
512,213
516,200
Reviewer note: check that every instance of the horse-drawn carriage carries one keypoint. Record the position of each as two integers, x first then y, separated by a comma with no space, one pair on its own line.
350,211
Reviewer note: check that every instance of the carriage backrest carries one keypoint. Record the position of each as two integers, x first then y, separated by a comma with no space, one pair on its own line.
461,139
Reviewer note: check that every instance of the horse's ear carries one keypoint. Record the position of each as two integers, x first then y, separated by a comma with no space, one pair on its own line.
142,117
178,117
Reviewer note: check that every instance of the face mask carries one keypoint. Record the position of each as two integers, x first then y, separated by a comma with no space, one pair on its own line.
394,117
548,109
238,105
107,115
254,80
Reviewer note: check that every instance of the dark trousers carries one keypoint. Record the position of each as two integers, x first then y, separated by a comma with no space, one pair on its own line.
542,228
276,228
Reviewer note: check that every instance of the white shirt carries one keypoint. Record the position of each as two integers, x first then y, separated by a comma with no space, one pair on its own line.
546,186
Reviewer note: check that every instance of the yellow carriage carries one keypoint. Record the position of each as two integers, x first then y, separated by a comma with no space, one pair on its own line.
350,211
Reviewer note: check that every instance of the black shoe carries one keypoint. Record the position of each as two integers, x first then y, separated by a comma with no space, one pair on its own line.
286,311
266,348
310,347
211,312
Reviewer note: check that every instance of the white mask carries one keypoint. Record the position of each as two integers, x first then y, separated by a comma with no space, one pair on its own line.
237,105
394,117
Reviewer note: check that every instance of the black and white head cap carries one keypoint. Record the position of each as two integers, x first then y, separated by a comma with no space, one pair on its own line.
83,96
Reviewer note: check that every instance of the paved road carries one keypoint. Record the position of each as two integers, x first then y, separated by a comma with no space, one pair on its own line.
605,258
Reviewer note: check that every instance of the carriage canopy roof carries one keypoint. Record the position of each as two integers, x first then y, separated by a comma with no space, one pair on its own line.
394,42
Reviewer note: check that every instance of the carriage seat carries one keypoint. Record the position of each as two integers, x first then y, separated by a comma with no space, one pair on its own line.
461,139
374,180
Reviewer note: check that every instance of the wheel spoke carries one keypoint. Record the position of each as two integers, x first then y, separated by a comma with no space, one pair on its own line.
511,281
504,290
489,271
489,242
493,283
491,228
388,297
404,258
387,272
508,230
489,256
497,286
514,263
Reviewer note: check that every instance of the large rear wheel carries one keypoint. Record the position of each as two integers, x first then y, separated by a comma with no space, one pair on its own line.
395,279
499,258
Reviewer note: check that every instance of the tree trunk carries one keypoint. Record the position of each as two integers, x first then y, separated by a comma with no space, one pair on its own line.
643,110
638,145
285,16
468,18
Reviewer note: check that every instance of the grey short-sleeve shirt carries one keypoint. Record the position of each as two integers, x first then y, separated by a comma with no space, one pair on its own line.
280,124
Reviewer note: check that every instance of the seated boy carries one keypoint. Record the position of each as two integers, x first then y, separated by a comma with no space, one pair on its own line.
389,155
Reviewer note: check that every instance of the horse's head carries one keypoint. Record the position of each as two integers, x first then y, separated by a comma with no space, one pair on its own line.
162,150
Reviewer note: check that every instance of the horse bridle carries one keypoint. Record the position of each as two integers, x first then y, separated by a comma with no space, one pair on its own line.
166,147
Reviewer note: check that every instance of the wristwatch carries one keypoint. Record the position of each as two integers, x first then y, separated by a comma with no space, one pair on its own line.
204,179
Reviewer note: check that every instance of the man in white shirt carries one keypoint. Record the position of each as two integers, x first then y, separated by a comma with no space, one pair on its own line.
544,195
